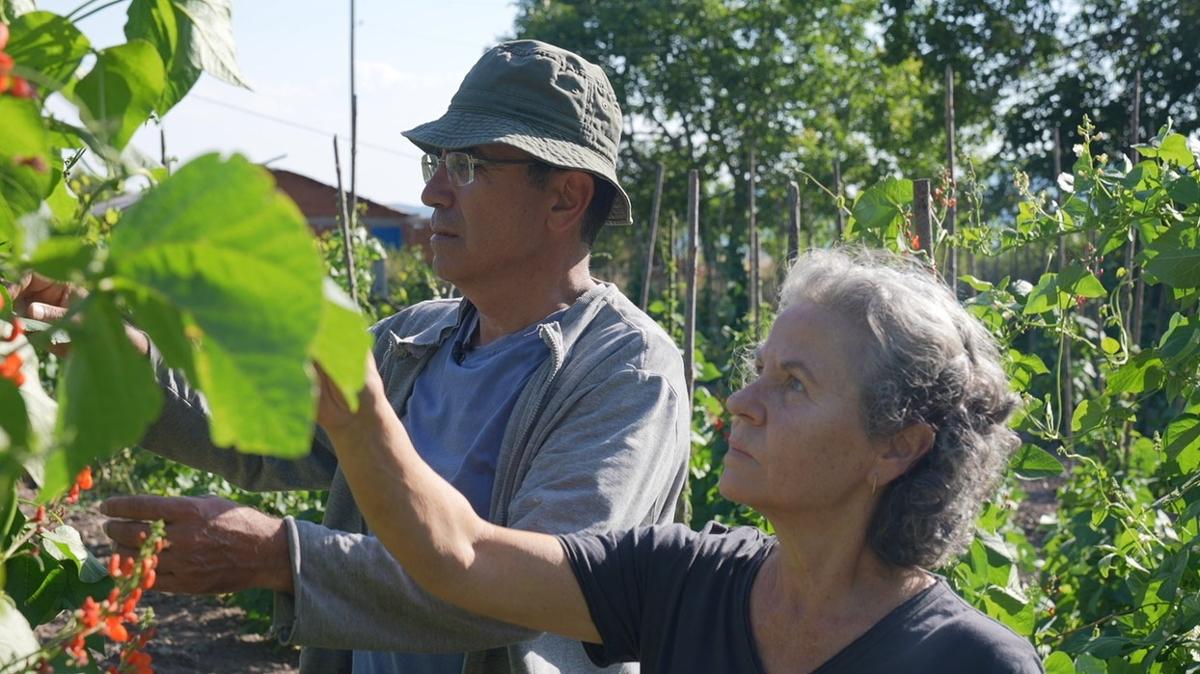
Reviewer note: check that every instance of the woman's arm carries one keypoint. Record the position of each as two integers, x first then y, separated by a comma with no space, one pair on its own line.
516,576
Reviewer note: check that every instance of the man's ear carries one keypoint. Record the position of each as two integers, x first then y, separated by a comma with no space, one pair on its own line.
903,450
572,195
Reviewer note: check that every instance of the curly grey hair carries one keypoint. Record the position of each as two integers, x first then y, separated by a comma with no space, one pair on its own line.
928,361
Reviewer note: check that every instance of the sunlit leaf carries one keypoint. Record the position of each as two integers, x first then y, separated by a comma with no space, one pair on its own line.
121,90
49,44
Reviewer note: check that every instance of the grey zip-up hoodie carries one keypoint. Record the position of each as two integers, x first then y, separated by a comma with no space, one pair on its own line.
598,440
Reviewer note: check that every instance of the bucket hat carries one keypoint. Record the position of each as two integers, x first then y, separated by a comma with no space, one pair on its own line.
536,97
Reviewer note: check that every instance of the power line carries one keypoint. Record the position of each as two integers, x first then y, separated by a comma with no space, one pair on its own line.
300,126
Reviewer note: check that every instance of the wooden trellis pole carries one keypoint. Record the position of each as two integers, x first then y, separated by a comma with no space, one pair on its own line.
793,231
693,245
952,203
1139,293
921,220
837,186
649,275
347,240
755,294
1064,345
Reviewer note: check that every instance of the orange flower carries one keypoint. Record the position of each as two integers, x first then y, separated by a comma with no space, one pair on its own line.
84,478
114,629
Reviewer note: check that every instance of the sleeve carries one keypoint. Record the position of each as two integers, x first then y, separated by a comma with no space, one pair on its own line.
181,433
614,458
612,571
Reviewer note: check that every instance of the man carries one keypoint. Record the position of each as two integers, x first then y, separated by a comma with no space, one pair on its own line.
544,396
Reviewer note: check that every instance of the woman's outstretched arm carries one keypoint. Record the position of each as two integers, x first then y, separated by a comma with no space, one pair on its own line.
519,577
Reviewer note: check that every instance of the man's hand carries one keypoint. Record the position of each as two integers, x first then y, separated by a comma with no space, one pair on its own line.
213,545
44,299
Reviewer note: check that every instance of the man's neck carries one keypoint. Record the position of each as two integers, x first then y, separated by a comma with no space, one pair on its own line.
504,311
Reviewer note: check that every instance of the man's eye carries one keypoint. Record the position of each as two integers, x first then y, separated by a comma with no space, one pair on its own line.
795,385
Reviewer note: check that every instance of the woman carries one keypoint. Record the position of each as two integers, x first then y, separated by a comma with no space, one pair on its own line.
871,435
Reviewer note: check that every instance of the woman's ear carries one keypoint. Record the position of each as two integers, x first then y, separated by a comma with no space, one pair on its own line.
902,450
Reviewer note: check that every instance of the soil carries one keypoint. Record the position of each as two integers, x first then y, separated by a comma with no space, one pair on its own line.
194,634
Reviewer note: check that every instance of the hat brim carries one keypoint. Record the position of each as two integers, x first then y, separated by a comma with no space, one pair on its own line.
466,128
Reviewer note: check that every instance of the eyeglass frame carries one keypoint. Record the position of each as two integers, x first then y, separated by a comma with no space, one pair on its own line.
431,162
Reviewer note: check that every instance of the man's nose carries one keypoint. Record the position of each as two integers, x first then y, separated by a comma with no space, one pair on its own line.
438,192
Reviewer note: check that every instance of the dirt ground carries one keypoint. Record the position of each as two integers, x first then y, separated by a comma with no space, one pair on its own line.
195,634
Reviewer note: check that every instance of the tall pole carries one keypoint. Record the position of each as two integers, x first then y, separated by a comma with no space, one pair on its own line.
344,209
649,275
755,314
837,186
353,127
952,200
1139,295
921,219
1064,345
793,231
693,244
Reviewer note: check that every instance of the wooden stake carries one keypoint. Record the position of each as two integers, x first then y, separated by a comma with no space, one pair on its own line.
952,208
1064,345
837,186
921,219
347,241
755,296
793,232
649,275
693,244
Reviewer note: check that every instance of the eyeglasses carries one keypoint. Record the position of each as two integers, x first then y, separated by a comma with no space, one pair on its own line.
460,166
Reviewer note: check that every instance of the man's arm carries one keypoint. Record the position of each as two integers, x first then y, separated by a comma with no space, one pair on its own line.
613,458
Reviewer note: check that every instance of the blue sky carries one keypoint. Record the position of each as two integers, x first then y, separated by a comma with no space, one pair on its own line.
295,54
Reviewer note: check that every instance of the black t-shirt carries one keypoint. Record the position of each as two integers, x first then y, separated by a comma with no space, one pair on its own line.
679,601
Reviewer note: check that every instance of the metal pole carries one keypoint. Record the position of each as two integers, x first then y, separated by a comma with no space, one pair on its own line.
353,128
952,201
649,275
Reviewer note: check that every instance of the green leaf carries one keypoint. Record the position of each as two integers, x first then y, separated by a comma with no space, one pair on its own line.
1044,296
1182,441
1078,281
1185,190
206,36
17,643
64,258
1174,257
49,44
1143,372
1033,462
1090,664
1174,150
1109,345
236,260
880,208
107,394
14,418
1171,573
1059,663
65,544
1089,415
156,21
121,91
342,343
977,284
22,144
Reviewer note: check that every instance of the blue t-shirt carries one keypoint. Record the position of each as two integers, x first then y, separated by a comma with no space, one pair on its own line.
456,417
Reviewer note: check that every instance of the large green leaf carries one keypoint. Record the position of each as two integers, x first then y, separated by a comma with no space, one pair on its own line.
49,44
122,90
880,208
206,36
235,258
17,643
1174,257
342,343
107,394
1044,296
22,146
1182,441
157,21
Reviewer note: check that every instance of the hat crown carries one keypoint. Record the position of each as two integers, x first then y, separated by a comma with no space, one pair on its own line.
547,88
